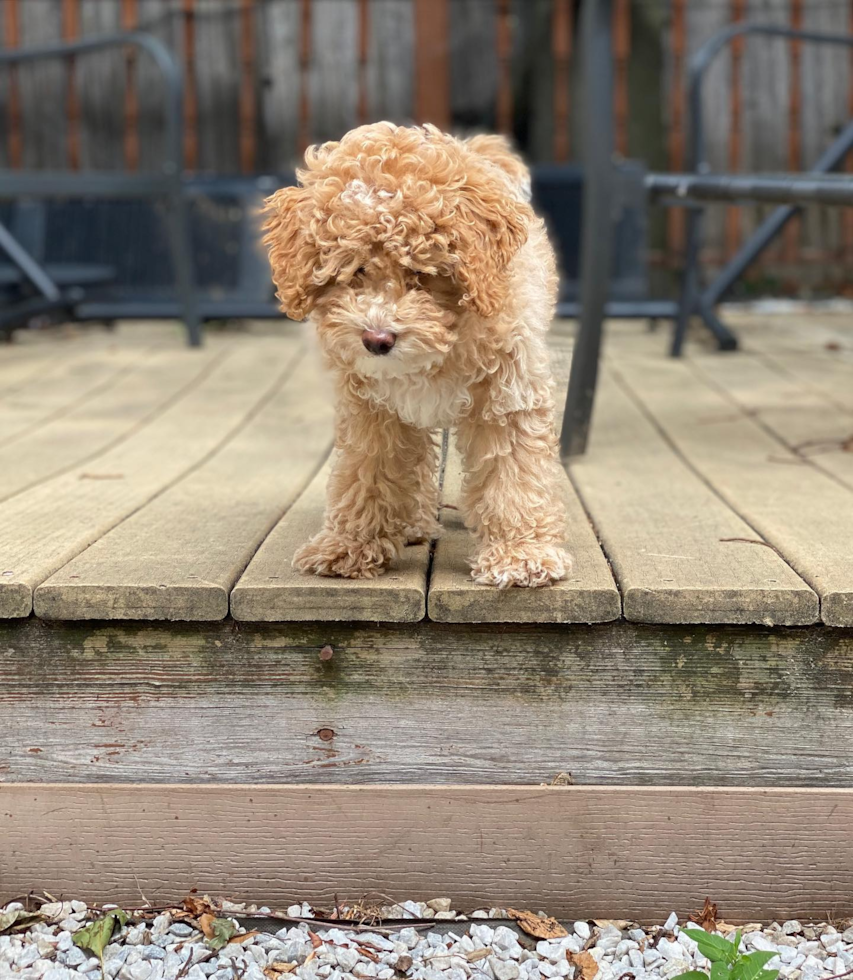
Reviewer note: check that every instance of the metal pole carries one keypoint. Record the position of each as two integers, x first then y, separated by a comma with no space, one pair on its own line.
597,227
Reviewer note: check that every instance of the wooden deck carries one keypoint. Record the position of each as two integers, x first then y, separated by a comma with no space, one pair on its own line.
140,480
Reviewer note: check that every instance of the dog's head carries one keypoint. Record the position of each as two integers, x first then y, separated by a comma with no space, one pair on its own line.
391,236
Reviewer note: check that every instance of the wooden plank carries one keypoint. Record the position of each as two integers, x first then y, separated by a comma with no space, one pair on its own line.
827,376
809,425
588,595
179,557
620,703
270,590
664,530
432,62
736,456
61,387
47,526
79,433
550,847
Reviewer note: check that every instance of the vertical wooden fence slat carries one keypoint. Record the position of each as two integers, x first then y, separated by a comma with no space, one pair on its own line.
432,62
562,25
248,107
71,32
12,39
733,223
304,75
363,60
791,240
190,88
503,41
621,53
675,137
129,22
847,213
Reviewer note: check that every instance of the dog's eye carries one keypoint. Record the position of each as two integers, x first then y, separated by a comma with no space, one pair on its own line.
360,271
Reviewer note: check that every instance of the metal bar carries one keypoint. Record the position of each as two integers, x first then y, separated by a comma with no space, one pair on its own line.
621,54
129,22
733,222
830,159
363,60
792,230
695,162
248,107
12,39
28,265
847,216
432,62
640,309
70,32
597,228
305,48
190,88
561,51
764,188
675,143
503,41
86,183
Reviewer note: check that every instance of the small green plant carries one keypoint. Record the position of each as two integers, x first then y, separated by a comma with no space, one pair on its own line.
727,962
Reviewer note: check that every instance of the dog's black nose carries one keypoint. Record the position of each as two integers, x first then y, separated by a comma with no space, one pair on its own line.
379,341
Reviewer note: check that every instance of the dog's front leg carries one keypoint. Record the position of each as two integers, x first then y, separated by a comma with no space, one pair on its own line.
381,496
512,499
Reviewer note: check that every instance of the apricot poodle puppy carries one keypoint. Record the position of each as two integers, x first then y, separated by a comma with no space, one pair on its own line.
432,285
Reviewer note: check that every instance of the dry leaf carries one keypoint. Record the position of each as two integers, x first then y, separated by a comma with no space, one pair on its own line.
316,941
707,918
530,923
478,954
278,969
585,966
198,906
243,935
205,923
368,953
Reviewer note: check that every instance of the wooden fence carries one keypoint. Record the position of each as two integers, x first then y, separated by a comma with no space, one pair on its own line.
264,78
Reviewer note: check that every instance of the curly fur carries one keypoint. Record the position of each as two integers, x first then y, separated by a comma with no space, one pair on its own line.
409,230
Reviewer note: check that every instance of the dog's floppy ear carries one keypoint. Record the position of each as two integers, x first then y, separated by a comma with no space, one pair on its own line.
490,226
293,255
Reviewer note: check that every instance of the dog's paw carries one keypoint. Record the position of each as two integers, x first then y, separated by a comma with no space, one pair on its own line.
427,530
527,566
333,554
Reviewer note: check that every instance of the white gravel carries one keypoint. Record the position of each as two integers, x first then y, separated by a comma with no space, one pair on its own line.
473,947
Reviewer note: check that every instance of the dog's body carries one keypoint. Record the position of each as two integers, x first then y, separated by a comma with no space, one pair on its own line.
432,284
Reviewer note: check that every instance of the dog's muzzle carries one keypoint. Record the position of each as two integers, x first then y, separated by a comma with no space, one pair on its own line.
379,341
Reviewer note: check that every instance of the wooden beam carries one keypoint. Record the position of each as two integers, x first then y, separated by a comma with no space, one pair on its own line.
129,22
791,239
190,88
425,703
248,106
432,62
562,37
621,54
503,41
675,137
12,39
847,213
576,851
733,215
71,32
305,48
363,60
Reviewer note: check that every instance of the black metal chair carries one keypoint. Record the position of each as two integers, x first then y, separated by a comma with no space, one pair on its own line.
32,289
819,186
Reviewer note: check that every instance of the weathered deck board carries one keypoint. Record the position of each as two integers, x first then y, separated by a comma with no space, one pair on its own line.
806,422
663,528
47,526
588,595
179,557
102,420
797,509
60,388
827,375
561,848
253,703
270,590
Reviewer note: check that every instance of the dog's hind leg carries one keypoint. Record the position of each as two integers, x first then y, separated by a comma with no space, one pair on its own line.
381,495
